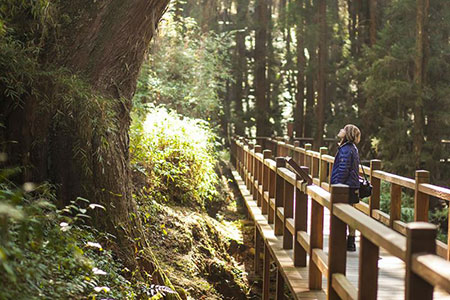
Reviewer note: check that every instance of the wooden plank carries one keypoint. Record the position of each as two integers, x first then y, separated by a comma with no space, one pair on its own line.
303,239
288,205
279,292
433,269
319,195
300,225
280,213
316,241
343,287
421,200
368,270
435,191
325,186
377,233
290,225
328,158
392,178
316,181
396,204
320,258
374,199
258,244
287,175
266,273
380,216
400,227
421,238
363,207
337,241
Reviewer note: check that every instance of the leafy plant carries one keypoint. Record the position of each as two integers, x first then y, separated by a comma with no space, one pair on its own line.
50,253
174,156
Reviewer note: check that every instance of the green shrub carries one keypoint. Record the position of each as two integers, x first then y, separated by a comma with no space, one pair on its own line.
176,155
46,253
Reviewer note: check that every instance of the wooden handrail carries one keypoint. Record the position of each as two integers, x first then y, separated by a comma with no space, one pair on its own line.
274,189
422,189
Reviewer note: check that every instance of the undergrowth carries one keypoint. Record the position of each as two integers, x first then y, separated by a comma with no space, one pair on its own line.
173,158
47,253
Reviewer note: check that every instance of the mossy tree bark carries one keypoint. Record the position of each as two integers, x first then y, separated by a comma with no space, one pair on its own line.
103,42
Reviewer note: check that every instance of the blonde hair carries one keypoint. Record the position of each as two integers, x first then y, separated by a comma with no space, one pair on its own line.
352,133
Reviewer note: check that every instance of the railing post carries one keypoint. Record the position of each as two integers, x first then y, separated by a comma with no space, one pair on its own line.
395,210
265,181
308,159
279,194
420,238
279,294
374,200
368,270
272,190
316,242
288,213
258,241
296,155
421,200
266,273
300,221
322,166
255,173
337,247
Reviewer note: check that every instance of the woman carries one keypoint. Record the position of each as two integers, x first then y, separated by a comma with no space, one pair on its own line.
346,169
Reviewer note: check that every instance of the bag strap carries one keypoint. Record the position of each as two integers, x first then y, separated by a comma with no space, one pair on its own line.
362,167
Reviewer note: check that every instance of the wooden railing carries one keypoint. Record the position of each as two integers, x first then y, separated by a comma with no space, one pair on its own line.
283,197
421,186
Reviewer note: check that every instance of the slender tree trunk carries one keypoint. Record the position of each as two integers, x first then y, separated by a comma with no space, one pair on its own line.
300,94
240,65
262,101
420,63
105,43
322,80
310,18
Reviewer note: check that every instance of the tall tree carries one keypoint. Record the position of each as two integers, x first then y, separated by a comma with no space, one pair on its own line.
322,78
310,71
104,42
300,93
240,64
420,63
262,100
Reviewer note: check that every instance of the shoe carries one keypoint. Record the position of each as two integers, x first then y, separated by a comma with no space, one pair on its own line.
351,247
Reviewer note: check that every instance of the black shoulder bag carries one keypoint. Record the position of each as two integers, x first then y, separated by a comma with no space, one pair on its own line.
365,188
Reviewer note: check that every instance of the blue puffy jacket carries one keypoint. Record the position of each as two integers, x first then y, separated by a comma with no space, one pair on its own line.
346,166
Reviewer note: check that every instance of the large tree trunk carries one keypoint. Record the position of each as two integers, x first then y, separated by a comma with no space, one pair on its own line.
104,42
420,62
322,81
262,100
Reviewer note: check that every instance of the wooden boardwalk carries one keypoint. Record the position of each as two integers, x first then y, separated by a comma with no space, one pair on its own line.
391,278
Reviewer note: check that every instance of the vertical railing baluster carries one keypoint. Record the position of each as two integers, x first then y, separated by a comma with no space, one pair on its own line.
420,239
337,246
421,200
279,195
301,224
374,200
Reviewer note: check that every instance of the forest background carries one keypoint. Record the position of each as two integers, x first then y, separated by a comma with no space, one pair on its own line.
382,65
71,116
